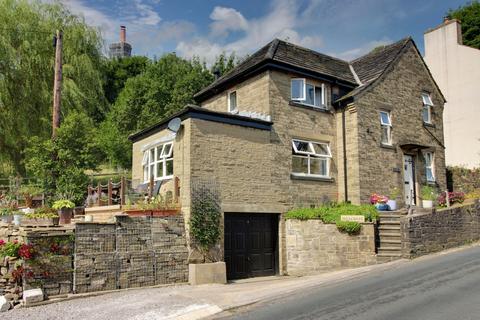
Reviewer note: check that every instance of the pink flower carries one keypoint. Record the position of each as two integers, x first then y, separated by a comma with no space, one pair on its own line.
2,242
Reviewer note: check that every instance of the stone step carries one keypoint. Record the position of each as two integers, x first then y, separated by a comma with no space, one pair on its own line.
389,254
393,216
389,228
390,248
389,222
394,241
386,258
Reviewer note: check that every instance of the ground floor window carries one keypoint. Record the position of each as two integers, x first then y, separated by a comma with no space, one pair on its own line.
158,162
311,158
429,166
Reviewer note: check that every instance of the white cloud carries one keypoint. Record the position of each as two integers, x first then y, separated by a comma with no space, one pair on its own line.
281,22
225,20
146,15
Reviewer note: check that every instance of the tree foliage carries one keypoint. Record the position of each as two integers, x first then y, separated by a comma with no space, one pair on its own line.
77,149
26,72
469,15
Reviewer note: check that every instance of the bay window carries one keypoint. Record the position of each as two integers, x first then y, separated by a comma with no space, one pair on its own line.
157,162
311,158
308,94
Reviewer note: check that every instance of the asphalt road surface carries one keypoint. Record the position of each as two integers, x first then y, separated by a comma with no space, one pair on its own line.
442,287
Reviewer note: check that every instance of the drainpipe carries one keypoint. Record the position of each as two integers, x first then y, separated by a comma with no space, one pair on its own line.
344,138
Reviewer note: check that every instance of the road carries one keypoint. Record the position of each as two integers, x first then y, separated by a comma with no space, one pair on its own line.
442,287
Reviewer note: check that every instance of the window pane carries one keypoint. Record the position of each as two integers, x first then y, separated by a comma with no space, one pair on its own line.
233,101
302,146
145,158
426,113
167,149
427,99
159,152
386,134
428,159
145,173
159,170
321,149
152,154
169,167
299,164
152,171
385,118
297,89
429,173
318,166
318,96
310,94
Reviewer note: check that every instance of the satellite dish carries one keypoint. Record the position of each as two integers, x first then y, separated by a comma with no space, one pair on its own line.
174,124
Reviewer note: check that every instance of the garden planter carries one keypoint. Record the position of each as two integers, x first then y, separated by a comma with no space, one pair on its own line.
392,205
17,219
165,213
65,215
78,211
382,206
40,222
139,213
7,219
427,204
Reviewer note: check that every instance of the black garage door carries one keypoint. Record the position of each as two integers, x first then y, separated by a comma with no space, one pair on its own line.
251,244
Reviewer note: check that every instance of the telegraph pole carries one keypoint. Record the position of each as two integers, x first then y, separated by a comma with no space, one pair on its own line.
57,85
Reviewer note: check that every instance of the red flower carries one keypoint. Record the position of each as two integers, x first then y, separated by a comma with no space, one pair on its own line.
26,251
54,248
2,242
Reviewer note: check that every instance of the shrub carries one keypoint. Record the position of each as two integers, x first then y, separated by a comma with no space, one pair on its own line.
10,249
428,193
453,197
350,227
332,214
60,204
43,212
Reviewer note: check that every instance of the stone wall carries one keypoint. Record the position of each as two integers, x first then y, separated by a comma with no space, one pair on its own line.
133,252
381,167
424,233
313,247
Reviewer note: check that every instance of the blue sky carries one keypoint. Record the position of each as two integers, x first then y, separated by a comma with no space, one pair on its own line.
342,28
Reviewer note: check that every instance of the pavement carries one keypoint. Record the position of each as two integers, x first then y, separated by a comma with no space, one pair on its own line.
244,298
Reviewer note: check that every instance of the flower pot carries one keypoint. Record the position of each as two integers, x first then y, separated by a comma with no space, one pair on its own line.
65,215
165,212
392,205
7,219
139,213
17,219
382,206
427,204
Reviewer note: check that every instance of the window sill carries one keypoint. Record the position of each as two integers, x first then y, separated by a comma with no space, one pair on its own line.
299,176
307,106
431,125
388,146
161,179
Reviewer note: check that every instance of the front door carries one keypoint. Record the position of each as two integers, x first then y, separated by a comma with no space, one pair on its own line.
409,179
250,244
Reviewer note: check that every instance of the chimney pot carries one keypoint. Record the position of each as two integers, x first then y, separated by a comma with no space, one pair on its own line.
123,34
446,19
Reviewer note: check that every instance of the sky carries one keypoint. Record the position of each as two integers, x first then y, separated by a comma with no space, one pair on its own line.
205,28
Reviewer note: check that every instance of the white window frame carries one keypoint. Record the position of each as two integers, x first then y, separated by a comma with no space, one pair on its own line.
386,125
428,104
229,101
302,100
311,154
431,166
150,165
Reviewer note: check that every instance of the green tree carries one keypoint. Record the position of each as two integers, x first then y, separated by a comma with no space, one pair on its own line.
77,149
166,86
224,63
26,73
469,15
118,71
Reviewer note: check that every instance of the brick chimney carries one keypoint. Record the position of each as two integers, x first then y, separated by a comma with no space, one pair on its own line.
123,34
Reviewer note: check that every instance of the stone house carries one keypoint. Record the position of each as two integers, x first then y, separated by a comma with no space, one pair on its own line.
291,127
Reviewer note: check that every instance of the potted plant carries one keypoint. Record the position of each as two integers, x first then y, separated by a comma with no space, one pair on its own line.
65,210
29,191
6,214
17,217
164,206
428,195
380,202
43,216
392,202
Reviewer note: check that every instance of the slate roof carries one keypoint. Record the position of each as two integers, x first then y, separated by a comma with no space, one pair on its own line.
282,52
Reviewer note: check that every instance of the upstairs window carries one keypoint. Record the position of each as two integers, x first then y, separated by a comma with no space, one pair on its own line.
232,101
386,124
427,108
308,94
157,162
429,166
311,158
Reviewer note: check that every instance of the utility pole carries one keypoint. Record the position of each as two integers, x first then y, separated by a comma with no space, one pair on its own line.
57,85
